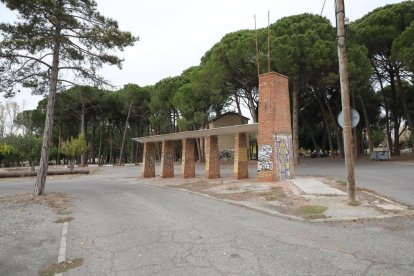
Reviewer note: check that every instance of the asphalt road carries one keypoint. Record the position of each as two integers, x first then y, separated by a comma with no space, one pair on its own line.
390,178
123,226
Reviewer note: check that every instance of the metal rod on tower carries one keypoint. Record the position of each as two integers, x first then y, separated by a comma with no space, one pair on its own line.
257,48
268,41
343,74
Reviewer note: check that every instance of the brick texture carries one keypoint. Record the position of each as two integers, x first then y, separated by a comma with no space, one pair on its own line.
149,160
212,158
241,164
274,118
187,164
167,159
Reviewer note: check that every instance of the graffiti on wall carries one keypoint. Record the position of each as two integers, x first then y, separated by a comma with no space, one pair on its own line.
167,161
265,158
149,159
284,155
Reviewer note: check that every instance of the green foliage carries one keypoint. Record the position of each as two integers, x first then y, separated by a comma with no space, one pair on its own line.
303,46
20,148
229,68
403,48
408,142
74,147
378,136
197,99
72,31
28,146
6,151
162,107
378,29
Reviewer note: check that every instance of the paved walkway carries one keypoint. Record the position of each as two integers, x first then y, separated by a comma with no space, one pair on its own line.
312,186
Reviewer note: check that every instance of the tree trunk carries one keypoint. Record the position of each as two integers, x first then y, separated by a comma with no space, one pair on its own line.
337,128
107,145
237,100
32,165
406,111
369,129
93,142
396,124
100,145
312,136
395,119
121,153
387,117
295,120
328,127
132,153
59,143
82,131
111,160
252,107
40,183
199,150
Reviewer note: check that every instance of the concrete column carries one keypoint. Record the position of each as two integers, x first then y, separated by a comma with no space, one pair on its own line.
274,128
212,157
149,160
241,163
187,164
167,159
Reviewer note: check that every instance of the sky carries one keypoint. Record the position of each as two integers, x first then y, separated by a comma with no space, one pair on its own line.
175,34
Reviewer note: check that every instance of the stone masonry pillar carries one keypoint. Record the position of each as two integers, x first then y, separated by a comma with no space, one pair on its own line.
149,160
275,156
241,164
187,164
212,157
167,159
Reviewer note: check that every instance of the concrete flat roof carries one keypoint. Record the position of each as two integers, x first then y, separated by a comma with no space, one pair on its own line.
247,128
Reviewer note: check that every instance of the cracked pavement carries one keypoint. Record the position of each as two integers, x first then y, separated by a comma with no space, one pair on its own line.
122,227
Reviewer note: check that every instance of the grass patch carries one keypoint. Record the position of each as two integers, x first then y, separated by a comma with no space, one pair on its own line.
275,193
311,211
62,220
241,196
61,267
63,211
341,182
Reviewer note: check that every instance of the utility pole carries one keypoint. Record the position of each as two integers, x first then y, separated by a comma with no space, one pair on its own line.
343,73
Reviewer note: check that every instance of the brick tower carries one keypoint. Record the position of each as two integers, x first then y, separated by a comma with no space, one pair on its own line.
275,155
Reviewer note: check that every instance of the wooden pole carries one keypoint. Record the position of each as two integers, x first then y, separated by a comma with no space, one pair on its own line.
343,73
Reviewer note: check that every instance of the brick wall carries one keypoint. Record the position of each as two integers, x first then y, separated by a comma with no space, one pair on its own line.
274,118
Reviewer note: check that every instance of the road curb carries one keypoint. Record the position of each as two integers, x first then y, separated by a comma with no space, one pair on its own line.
279,214
62,248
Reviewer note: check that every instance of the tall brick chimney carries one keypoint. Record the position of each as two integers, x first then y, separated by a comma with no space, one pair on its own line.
275,156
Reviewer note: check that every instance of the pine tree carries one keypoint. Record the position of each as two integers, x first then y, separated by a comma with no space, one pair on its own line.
56,43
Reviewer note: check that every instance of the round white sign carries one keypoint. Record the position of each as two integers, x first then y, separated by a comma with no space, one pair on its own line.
354,118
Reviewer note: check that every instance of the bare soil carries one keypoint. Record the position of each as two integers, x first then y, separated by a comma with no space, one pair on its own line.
60,203
61,267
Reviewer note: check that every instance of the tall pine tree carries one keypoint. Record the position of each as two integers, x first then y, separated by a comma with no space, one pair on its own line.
56,42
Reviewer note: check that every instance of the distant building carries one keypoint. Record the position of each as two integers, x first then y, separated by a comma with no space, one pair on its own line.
226,142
